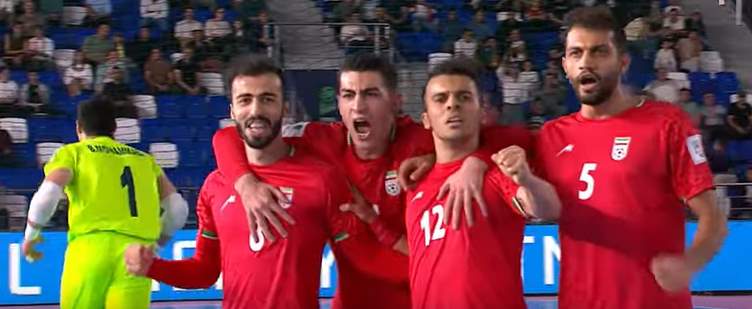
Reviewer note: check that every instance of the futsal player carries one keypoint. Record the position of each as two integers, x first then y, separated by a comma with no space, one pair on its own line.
114,193
258,273
625,168
476,267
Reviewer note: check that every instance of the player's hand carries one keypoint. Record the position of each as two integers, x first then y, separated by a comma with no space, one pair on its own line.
31,254
673,272
138,259
413,169
513,162
360,207
261,202
461,189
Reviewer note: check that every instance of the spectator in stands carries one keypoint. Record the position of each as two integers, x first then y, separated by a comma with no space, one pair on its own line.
207,53
99,10
7,7
354,34
53,10
673,5
34,95
14,46
663,88
450,29
259,31
554,67
139,49
184,28
674,21
97,46
465,46
514,41
487,51
689,49
79,76
689,106
118,92
185,74
248,9
552,95
739,118
343,9
515,93
30,19
154,12
666,58
695,23
537,116
8,91
158,73
103,74
529,76
479,26
239,41
535,12
6,151
217,28
504,27
424,16
381,16
38,51
712,119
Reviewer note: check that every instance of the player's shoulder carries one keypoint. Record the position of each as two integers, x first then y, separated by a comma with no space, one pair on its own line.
663,112
308,128
558,123
310,163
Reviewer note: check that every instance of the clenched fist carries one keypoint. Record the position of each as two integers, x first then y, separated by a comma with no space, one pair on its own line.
513,163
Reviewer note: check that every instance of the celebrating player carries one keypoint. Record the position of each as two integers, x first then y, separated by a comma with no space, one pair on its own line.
624,168
478,267
114,194
258,273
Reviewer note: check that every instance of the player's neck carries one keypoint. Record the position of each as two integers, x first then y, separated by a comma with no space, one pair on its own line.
448,151
616,104
273,152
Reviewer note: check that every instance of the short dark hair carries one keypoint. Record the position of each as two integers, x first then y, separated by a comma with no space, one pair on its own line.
369,62
462,66
596,18
251,65
96,116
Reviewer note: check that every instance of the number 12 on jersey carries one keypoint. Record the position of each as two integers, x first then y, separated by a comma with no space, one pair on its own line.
438,228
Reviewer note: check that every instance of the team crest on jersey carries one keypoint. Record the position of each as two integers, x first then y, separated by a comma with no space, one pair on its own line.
390,183
287,191
621,148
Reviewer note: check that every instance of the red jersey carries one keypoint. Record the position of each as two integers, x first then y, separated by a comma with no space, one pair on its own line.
283,274
476,267
622,181
387,286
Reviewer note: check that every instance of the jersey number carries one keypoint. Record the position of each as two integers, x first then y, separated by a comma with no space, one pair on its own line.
588,179
438,228
126,180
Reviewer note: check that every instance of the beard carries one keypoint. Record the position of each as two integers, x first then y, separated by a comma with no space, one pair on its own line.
259,142
606,85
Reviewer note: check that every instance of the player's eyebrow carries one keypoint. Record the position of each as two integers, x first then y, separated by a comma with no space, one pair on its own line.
369,89
263,94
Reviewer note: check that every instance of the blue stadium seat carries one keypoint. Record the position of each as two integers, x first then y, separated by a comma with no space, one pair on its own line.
43,129
197,108
219,107
24,154
169,109
193,155
21,178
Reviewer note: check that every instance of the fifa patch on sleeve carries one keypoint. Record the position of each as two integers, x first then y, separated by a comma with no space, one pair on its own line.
294,130
694,145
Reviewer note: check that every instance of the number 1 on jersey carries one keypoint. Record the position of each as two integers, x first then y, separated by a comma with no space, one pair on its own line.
588,179
126,180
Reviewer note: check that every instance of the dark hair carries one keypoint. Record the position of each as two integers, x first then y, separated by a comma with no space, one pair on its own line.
596,18
462,66
97,116
250,65
369,62
684,89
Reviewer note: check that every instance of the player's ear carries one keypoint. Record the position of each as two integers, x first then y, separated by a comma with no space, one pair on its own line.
624,61
426,122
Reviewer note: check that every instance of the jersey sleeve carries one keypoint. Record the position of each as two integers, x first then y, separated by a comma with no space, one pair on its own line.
203,269
64,157
690,171
230,153
155,167
354,241
495,138
326,140
508,190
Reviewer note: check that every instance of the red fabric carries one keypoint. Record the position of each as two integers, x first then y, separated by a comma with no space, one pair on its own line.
621,181
476,267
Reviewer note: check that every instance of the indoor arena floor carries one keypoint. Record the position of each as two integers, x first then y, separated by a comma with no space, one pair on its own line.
700,302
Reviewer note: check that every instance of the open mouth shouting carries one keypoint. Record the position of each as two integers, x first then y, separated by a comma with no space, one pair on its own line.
362,128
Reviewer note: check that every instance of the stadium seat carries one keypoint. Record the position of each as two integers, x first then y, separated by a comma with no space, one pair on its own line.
169,109
212,81
165,154
219,106
74,15
44,129
147,106
197,108
17,128
45,151
435,59
193,155
128,131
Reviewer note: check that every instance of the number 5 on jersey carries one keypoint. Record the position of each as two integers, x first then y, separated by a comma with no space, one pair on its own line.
438,228
587,178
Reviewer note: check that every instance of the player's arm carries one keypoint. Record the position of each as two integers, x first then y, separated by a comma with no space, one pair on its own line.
198,272
534,197
366,213
175,209
260,200
42,208
693,182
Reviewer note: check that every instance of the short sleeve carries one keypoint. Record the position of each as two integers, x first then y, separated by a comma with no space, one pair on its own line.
206,225
508,190
64,157
690,171
326,140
